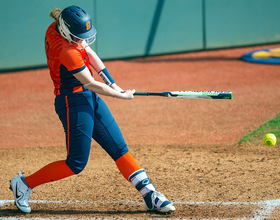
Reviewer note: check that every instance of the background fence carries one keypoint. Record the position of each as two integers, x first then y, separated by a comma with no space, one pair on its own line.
132,28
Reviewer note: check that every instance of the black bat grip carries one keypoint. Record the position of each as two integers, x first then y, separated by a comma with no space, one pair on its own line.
141,93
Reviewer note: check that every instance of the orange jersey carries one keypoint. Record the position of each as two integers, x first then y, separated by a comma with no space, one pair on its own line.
64,60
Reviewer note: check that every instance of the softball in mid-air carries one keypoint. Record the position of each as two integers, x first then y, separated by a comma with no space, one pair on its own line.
269,140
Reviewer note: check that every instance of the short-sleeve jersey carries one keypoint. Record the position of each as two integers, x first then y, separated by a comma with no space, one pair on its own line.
64,60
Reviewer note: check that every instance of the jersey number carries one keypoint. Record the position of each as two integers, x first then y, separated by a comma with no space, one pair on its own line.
47,47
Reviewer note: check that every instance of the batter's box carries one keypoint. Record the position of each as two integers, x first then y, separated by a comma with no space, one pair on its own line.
43,209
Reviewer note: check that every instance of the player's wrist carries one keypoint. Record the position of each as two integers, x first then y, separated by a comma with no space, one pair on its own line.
116,87
107,78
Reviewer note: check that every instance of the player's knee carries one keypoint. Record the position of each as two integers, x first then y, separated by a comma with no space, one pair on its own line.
75,165
119,153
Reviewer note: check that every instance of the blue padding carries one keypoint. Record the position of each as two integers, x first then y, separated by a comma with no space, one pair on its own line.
269,60
142,184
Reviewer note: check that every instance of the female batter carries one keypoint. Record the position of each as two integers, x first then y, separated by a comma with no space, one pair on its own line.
82,112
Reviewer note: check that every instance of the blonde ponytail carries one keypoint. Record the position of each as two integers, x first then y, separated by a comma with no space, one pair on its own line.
55,13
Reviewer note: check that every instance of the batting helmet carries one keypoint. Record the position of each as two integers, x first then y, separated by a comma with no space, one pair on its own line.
75,22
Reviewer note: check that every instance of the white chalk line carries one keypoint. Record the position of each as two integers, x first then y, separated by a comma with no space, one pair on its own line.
265,209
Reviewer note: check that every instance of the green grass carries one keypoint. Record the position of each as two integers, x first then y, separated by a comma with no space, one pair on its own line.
256,136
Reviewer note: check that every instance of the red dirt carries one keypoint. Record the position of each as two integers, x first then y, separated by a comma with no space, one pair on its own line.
28,104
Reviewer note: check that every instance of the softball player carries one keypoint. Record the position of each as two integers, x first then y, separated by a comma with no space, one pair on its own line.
82,112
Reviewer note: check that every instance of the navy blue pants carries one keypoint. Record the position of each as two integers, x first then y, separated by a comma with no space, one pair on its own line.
84,116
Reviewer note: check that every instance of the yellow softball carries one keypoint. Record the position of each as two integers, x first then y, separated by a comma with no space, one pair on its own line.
269,140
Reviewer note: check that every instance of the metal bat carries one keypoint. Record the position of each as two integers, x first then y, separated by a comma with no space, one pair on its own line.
190,94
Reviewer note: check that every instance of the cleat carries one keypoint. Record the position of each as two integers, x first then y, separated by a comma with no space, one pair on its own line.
21,193
159,203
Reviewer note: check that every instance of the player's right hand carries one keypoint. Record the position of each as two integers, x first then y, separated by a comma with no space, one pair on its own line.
128,94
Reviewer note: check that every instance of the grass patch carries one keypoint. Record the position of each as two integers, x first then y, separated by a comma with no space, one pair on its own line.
256,136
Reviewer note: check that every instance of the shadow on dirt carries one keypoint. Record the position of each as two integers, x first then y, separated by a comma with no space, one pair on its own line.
183,59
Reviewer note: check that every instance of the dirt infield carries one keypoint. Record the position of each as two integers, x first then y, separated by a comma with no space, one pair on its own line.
188,147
